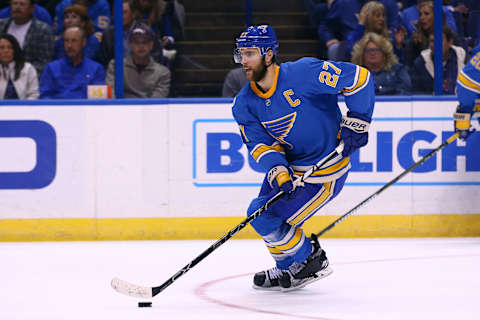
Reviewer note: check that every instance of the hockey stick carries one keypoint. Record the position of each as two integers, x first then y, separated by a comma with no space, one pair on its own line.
134,290
388,184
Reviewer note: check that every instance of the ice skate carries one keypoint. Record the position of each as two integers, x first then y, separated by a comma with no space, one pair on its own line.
267,280
314,268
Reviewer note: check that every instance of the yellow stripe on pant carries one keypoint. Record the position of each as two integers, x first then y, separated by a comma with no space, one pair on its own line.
320,198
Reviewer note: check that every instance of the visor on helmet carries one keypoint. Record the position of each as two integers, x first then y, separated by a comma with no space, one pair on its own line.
237,54
262,37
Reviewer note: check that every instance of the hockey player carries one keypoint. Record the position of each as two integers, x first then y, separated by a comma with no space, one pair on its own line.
289,120
468,90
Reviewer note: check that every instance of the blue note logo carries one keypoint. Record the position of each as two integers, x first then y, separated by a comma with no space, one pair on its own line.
279,128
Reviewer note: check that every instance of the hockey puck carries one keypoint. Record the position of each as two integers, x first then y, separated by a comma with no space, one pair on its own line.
144,304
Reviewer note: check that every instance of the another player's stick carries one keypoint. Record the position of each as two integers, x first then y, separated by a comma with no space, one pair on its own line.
134,290
388,184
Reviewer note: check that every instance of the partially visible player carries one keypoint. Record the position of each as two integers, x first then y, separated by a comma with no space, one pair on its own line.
468,91
289,119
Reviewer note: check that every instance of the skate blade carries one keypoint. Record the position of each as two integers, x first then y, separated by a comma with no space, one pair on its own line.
319,275
277,288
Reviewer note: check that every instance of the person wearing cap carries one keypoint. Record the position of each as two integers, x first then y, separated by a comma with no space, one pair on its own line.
130,20
143,77
290,120
69,77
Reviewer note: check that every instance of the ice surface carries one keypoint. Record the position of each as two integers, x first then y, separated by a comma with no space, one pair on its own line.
372,279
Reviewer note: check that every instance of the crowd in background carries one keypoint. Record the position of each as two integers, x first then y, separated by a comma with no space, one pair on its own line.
393,40
56,48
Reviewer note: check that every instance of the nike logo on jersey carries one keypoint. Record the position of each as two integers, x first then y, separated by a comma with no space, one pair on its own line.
279,128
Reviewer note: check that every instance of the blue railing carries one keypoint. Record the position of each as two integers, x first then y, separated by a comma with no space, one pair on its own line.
131,102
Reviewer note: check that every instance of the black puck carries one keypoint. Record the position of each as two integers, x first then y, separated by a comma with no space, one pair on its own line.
144,304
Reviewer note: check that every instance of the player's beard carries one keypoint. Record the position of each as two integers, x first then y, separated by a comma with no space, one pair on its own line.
259,72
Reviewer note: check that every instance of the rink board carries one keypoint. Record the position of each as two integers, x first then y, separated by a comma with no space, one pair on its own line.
176,169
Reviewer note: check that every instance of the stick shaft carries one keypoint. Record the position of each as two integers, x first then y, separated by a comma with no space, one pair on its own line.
232,232
388,184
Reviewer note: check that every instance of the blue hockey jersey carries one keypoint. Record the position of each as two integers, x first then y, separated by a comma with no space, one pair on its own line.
297,121
98,11
468,82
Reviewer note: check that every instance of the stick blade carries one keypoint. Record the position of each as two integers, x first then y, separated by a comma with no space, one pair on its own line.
131,289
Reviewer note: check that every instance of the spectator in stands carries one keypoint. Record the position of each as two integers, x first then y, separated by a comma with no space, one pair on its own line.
107,47
18,78
341,19
375,52
35,37
454,58
411,16
68,77
176,13
372,19
234,81
39,13
77,16
419,40
143,77
407,3
49,5
152,13
98,11
467,20
317,11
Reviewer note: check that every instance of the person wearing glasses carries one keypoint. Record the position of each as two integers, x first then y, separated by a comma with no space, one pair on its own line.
375,53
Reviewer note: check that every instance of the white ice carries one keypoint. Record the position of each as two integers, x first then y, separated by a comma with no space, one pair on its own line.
372,279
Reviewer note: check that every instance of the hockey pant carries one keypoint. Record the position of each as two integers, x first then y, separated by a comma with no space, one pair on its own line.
280,225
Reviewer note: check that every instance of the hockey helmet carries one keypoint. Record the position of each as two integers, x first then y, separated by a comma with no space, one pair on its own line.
262,37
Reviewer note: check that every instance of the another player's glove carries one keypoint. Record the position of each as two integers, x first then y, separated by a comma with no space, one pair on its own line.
354,132
281,178
461,122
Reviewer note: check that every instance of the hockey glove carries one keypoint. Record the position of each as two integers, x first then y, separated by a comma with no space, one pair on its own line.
461,122
354,132
280,178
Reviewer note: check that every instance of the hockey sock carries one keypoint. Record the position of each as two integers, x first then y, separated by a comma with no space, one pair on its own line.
288,244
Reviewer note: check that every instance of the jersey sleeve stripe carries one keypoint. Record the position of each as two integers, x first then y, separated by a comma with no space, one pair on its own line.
242,131
355,79
262,149
359,84
468,83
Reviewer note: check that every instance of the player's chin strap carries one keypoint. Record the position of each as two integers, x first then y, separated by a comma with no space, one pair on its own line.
134,290
388,184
